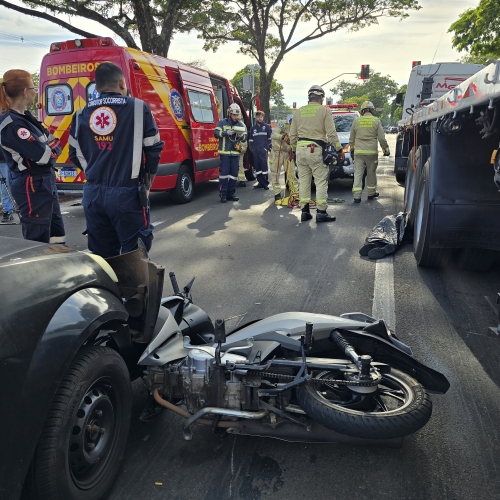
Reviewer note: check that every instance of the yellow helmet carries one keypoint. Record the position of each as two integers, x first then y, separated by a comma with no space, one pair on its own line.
367,105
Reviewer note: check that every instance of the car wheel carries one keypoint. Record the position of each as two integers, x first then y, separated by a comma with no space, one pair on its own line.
184,189
85,433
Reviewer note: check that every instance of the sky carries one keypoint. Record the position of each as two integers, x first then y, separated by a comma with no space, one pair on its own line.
388,47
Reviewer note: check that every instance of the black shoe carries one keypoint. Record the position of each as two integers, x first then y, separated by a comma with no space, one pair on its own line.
381,252
223,200
232,198
7,217
376,195
306,214
278,197
357,200
242,184
363,251
258,186
266,188
322,216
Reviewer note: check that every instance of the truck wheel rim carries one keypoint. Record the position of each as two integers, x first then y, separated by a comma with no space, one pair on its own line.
186,185
93,434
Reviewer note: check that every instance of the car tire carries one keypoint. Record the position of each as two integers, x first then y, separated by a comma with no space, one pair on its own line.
83,440
425,255
184,188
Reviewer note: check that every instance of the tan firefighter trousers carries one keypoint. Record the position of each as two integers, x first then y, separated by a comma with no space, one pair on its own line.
310,164
370,163
278,160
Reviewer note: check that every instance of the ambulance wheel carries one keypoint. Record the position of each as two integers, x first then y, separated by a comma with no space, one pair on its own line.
184,189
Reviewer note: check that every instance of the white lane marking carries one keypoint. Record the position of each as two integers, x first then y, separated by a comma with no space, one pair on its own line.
232,469
495,309
383,292
157,223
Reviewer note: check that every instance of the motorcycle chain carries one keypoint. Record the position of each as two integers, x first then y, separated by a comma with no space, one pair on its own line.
367,383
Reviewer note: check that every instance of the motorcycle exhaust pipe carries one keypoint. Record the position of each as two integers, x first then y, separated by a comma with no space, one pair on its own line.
190,419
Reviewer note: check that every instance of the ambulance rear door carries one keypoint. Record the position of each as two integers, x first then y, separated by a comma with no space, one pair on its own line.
203,118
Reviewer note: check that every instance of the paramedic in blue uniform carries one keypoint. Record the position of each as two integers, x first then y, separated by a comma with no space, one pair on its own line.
260,144
30,153
229,151
115,140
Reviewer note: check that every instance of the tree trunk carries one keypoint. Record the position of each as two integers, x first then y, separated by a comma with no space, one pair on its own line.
265,94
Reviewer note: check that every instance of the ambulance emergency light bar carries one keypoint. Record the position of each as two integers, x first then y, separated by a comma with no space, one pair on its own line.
336,106
82,43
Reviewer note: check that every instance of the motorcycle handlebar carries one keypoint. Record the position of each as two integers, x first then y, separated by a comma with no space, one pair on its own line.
173,280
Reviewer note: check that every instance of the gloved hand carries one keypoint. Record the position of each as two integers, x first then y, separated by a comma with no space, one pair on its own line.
387,152
230,132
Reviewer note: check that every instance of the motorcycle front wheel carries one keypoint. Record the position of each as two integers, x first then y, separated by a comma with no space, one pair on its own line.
398,407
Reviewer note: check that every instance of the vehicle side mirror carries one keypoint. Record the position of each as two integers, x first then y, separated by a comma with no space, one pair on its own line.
399,99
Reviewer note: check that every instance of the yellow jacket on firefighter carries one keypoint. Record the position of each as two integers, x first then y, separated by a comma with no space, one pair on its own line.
365,132
311,123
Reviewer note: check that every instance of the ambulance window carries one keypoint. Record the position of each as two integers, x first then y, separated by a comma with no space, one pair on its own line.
201,106
59,99
92,92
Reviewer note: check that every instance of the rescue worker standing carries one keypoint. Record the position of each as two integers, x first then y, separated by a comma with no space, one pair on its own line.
259,143
281,157
109,139
229,151
365,132
312,129
30,153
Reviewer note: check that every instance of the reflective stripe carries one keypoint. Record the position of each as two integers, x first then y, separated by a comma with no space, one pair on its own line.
259,133
15,155
223,177
74,142
357,189
151,141
319,200
45,157
44,138
304,200
138,133
366,151
233,177
229,153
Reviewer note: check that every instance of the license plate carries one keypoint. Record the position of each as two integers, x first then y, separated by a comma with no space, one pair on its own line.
67,172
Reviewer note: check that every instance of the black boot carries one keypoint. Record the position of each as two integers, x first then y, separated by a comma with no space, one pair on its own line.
373,196
306,214
278,197
322,216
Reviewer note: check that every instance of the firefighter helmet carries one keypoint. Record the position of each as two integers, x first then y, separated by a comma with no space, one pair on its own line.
316,91
234,109
367,105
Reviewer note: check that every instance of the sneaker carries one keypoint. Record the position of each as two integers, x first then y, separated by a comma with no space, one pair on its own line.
7,217
376,195
223,200
232,198
242,184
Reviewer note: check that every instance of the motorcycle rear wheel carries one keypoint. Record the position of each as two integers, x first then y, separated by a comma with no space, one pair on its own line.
399,407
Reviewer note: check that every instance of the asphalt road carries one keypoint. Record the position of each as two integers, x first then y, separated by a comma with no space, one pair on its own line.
252,259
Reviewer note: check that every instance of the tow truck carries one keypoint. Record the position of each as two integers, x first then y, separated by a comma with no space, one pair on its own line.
452,197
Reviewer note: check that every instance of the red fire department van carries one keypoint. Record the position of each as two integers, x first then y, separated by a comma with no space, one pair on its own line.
186,102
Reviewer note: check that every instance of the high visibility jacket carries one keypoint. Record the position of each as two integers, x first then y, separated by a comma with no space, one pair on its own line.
28,147
227,143
109,137
260,136
279,134
365,132
313,122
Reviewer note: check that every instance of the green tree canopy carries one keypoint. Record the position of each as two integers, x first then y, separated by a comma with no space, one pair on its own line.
153,22
477,31
380,90
268,30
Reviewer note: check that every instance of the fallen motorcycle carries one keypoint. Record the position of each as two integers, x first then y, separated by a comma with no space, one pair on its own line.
73,339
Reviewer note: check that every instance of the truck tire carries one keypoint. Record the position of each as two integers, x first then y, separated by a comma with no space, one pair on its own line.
476,259
83,440
422,154
184,189
424,254
409,190
400,417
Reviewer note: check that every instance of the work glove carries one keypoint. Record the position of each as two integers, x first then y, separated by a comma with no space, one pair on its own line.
230,132
387,152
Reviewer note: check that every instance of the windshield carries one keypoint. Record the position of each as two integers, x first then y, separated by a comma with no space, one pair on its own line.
343,123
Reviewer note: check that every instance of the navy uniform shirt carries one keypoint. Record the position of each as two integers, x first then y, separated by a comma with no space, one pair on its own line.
260,136
227,143
109,137
27,146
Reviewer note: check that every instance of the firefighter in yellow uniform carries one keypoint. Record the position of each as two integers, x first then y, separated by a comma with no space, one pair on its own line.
281,158
365,132
242,178
312,129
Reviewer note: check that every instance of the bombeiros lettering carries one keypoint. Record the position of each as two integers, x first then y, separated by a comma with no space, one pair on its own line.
71,69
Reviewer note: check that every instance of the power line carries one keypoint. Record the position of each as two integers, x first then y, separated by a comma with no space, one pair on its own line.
22,39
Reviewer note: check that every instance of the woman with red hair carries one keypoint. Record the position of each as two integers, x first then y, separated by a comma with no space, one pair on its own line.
30,152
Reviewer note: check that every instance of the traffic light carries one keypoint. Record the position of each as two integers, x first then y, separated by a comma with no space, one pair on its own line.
416,63
365,72
294,105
